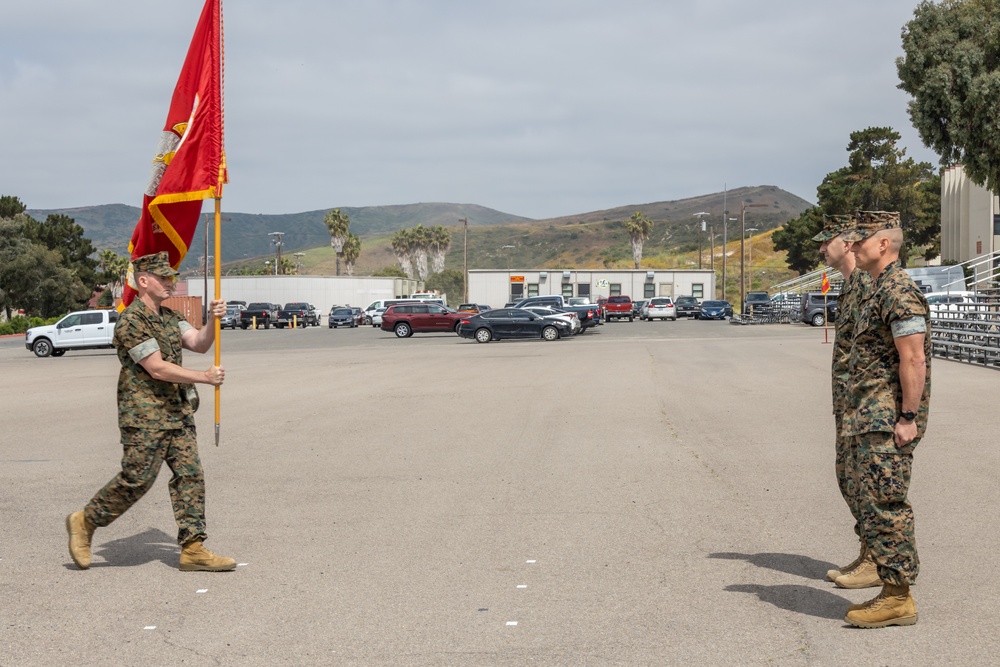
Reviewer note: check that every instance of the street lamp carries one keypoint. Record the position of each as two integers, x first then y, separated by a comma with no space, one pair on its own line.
701,228
276,240
465,256
298,262
750,231
743,233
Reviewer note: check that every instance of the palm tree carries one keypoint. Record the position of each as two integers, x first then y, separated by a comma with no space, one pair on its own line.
638,226
351,251
114,267
440,242
337,224
421,246
402,247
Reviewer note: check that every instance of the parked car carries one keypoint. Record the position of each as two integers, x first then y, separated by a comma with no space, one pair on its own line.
715,310
504,323
617,307
375,318
231,319
260,313
547,311
588,313
813,310
295,313
687,306
359,316
756,302
637,307
83,330
341,316
472,308
580,301
956,302
659,307
406,319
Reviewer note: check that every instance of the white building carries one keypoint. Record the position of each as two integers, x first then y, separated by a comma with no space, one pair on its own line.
970,220
497,287
321,291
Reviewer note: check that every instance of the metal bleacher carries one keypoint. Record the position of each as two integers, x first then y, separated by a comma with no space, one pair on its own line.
970,332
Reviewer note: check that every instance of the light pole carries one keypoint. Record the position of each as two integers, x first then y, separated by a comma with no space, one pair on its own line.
750,231
298,262
276,240
725,252
701,229
267,266
465,256
743,233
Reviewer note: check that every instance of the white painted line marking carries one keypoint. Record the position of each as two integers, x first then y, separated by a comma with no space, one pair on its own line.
149,627
242,564
531,561
511,622
201,590
522,585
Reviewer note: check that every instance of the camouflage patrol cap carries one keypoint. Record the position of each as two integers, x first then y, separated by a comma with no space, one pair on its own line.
869,222
834,226
158,264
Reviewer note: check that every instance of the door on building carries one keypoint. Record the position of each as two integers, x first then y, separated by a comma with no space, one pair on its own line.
516,292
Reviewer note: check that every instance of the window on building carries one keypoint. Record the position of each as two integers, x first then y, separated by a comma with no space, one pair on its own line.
567,290
648,291
996,225
532,289
666,289
698,290
616,289
583,289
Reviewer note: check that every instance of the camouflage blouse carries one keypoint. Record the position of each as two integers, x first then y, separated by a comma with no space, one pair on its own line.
144,402
894,307
848,310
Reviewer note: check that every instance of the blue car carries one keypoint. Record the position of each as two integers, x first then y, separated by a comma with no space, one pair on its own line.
715,310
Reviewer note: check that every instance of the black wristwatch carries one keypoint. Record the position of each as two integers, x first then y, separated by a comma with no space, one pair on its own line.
907,415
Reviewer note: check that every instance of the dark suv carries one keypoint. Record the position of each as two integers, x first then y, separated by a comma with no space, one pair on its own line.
687,306
813,311
405,319
759,302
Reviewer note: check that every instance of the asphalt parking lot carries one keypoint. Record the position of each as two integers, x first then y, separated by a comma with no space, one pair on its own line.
643,494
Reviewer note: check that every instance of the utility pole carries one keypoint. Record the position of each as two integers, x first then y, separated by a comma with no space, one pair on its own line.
277,242
465,257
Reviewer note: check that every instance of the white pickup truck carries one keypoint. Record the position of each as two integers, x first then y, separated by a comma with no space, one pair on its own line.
83,330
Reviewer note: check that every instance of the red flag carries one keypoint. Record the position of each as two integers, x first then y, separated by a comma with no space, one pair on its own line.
825,286
190,163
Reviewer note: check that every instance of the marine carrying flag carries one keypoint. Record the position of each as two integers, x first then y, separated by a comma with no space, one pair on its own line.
190,164
825,285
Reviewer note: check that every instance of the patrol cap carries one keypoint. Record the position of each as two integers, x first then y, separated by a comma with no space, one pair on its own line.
834,226
869,222
158,264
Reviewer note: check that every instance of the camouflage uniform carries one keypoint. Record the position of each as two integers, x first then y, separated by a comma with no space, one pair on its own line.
894,307
855,287
852,293
156,420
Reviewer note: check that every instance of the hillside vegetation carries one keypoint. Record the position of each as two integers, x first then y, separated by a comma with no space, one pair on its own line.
587,240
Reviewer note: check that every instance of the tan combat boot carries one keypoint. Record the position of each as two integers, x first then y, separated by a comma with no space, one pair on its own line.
196,558
893,606
832,575
80,531
864,575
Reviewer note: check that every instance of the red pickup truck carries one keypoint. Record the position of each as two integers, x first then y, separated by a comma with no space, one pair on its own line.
618,307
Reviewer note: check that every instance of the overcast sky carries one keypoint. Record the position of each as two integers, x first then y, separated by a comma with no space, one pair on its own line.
539,108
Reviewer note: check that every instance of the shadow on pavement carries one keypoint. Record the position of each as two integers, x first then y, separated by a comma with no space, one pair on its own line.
800,599
146,547
802,566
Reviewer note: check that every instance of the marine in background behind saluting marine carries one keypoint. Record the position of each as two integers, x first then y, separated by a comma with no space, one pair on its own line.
837,254
886,415
156,405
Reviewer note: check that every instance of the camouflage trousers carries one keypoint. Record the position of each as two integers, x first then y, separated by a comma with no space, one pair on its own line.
145,451
881,475
845,481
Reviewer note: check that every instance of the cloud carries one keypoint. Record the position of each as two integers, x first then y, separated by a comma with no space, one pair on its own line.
538,108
